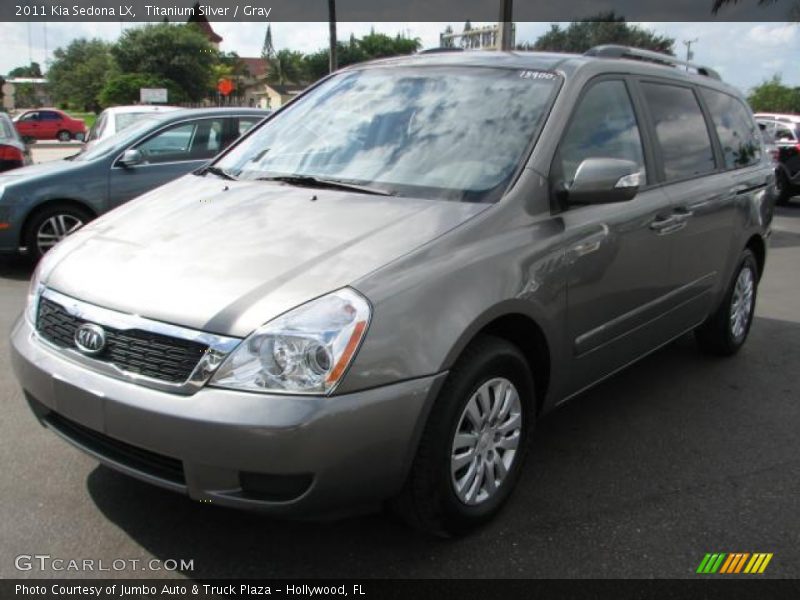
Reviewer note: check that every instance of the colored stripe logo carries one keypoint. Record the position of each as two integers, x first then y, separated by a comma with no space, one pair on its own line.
734,563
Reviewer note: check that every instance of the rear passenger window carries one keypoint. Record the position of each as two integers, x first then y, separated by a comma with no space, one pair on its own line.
603,126
681,131
737,132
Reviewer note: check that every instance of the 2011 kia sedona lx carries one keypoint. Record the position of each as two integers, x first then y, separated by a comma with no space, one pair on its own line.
374,294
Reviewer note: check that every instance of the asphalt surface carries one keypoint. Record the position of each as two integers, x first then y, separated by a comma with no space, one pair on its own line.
678,456
49,151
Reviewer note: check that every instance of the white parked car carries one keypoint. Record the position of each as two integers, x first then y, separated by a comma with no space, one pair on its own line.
783,117
114,120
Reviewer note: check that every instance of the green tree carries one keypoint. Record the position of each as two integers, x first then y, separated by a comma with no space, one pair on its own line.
32,70
371,46
79,72
288,66
380,45
123,88
180,54
773,96
605,28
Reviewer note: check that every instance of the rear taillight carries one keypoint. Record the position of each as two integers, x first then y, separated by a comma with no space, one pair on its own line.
11,153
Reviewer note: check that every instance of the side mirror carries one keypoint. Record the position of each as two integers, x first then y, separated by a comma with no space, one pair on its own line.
131,158
604,180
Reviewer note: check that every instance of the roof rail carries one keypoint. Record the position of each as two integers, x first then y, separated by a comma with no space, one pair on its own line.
441,49
614,51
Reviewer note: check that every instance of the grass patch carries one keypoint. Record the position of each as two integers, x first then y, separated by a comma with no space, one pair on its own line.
88,117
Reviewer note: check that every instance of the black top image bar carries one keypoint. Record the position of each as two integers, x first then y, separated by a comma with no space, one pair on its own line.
395,10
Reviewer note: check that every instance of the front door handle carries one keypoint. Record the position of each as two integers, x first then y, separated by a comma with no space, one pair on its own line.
661,223
682,214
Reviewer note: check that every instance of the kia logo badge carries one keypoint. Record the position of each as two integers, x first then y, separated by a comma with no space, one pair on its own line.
90,339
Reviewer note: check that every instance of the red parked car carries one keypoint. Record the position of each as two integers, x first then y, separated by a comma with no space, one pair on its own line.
49,124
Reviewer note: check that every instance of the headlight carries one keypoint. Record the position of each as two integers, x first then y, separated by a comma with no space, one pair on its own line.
306,350
34,291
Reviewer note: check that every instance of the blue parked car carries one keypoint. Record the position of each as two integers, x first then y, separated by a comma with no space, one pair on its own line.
41,204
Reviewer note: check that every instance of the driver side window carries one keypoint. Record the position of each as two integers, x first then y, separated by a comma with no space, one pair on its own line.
603,126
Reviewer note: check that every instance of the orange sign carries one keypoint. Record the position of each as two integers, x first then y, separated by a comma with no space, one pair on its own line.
225,87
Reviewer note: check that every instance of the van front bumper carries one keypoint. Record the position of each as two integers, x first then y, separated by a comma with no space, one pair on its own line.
288,455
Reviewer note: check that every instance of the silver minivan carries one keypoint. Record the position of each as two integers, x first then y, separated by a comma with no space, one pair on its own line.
375,294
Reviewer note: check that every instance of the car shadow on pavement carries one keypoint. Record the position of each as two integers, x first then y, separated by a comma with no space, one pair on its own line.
19,268
645,471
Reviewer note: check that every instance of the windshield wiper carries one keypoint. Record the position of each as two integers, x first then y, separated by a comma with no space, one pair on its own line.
218,171
321,182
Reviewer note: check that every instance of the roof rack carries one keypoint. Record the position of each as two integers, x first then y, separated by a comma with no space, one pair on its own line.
614,51
441,49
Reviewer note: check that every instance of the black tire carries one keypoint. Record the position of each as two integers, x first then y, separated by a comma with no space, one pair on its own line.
64,136
429,501
41,217
716,336
784,188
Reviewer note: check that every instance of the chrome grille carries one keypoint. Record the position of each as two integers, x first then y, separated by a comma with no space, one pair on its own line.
139,352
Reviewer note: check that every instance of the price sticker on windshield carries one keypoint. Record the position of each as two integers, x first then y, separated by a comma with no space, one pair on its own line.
546,75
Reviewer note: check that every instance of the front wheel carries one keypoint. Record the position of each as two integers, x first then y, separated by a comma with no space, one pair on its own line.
473,446
64,136
725,332
51,225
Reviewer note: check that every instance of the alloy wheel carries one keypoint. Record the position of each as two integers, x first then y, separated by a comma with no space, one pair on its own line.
55,229
742,302
486,441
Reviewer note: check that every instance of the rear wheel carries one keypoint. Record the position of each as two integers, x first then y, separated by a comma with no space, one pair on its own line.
64,136
51,225
726,330
473,446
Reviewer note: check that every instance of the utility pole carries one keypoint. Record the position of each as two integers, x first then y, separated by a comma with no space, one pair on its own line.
506,25
332,63
46,51
689,53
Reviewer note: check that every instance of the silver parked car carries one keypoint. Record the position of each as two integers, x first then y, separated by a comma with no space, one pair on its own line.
377,292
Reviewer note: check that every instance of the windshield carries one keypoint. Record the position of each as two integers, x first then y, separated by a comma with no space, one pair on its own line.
432,132
111,144
125,120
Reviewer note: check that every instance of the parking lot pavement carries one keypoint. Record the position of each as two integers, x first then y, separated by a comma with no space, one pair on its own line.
48,151
678,456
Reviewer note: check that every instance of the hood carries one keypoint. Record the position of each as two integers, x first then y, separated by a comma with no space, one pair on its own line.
38,170
226,257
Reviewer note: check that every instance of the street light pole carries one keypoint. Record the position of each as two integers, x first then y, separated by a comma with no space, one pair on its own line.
332,63
506,23
689,54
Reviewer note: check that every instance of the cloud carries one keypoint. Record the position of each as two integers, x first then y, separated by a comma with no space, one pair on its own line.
769,35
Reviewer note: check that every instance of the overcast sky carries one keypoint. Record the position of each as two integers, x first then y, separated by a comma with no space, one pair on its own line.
744,53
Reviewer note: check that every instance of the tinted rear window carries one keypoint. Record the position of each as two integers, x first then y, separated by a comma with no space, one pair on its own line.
681,131
737,132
